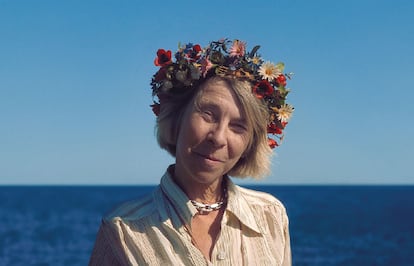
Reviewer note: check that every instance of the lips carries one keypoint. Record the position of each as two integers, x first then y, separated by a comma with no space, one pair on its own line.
212,158
209,157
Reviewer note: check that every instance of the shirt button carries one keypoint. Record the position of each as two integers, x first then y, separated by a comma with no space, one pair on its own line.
221,256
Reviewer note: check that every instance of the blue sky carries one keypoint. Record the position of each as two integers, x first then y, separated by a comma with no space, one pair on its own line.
75,94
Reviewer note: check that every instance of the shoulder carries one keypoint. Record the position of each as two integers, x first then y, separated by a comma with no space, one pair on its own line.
268,212
263,201
259,197
128,220
136,209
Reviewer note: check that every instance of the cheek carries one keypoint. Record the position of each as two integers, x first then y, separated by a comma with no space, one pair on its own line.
239,144
191,132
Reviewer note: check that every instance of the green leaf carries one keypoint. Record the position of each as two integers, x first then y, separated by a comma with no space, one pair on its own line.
254,51
280,66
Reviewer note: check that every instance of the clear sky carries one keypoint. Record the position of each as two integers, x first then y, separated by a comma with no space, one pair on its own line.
75,94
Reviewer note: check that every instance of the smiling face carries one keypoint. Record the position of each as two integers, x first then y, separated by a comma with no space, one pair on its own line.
213,135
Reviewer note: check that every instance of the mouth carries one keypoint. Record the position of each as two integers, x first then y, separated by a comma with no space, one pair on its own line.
209,157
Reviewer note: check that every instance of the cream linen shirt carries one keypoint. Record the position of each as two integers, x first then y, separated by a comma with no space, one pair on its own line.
150,231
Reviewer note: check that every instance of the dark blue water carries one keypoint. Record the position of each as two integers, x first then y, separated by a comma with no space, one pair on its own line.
330,225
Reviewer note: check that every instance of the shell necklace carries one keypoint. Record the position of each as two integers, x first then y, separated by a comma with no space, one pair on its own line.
206,208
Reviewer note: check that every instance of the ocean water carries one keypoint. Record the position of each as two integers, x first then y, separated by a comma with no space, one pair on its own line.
329,225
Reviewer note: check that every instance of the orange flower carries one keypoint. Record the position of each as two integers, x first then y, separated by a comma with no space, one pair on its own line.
163,58
272,143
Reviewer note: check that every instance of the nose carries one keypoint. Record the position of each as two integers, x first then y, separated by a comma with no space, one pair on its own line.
217,135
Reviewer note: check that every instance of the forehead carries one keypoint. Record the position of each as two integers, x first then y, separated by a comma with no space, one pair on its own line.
220,93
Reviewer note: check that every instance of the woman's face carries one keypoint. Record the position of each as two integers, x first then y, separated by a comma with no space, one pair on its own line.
212,137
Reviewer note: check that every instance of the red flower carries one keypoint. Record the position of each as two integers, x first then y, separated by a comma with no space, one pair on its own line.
272,143
262,88
281,80
163,58
194,53
273,129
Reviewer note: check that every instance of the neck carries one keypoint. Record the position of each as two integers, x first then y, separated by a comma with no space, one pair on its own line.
209,194
205,193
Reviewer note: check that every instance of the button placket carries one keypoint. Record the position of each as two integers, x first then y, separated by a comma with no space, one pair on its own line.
221,255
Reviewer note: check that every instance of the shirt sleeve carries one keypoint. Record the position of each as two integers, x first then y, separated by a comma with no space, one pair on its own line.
287,256
103,253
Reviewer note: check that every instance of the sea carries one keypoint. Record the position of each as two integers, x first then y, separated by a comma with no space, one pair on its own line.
329,225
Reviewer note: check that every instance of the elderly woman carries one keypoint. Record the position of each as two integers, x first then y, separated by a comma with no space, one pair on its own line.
217,108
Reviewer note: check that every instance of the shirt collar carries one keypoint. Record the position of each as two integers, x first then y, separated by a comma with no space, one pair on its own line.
236,203
240,207
179,200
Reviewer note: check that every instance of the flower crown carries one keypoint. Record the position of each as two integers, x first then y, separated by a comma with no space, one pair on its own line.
193,64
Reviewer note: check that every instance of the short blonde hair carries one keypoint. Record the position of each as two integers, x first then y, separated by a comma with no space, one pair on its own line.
255,161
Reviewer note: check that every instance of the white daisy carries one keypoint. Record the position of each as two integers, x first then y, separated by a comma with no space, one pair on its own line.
269,71
285,112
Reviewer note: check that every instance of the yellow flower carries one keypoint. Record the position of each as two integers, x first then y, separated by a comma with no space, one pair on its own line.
255,60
